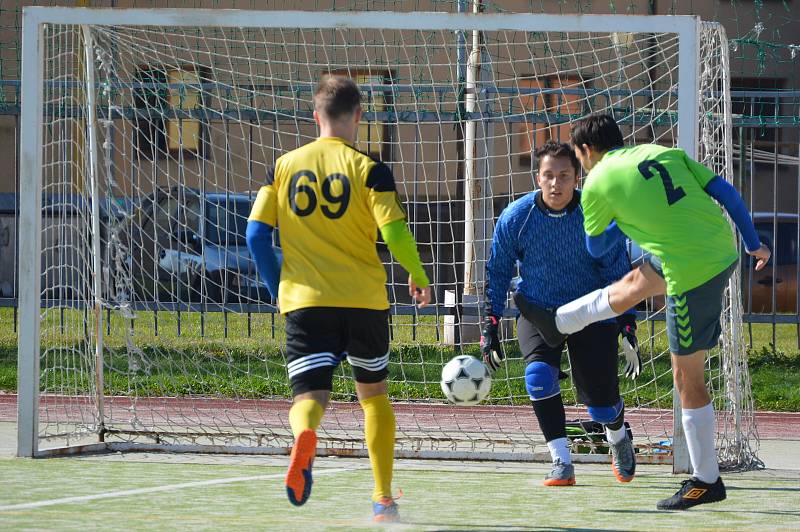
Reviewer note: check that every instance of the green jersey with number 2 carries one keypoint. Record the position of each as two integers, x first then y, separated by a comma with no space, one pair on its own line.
657,197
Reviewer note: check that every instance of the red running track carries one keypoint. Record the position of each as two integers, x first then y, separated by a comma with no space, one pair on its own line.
410,416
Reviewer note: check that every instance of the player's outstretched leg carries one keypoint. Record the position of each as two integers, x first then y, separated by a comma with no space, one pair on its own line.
543,319
693,492
304,417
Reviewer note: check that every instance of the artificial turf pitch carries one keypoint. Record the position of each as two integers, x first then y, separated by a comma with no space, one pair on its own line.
164,491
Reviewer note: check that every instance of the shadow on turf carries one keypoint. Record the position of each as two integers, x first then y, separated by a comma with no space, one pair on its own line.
666,488
705,510
485,528
745,488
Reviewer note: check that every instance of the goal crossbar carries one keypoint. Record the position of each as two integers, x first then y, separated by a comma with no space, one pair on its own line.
684,25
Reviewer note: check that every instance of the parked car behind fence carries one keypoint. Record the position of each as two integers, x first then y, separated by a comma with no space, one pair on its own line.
190,246
781,272
773,289
66,242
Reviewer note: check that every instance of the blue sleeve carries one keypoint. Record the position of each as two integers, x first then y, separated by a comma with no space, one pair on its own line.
728,197
259,242
599,245
499,268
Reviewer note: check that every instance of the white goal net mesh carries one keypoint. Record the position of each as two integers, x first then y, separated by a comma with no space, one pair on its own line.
168,132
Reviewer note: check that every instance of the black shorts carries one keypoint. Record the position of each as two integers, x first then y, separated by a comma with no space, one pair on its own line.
593,356
319,338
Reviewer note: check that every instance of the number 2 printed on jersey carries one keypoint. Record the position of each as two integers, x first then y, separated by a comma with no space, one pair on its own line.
673,194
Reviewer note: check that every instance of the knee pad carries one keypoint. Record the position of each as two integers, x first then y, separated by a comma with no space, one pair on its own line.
605,414
541,381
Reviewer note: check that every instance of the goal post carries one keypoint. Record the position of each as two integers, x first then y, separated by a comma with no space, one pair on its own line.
143,322
30,202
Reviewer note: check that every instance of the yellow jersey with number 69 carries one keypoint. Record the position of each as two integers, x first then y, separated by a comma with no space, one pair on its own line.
328,200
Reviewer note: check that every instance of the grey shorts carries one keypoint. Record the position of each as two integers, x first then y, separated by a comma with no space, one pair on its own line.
693,317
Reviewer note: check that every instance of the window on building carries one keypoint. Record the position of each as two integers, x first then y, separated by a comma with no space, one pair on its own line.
552,110
160,94
184,133
149,97
373,134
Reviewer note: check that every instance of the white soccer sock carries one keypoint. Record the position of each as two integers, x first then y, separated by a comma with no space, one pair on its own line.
559,449
585,310
615,436
699,428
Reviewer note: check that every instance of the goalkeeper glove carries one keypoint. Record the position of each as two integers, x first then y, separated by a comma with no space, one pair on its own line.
491,349
630,346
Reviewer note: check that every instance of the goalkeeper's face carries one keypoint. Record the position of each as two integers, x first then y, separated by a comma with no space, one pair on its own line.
558,180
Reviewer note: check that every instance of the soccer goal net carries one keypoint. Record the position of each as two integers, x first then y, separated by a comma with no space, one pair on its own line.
147,132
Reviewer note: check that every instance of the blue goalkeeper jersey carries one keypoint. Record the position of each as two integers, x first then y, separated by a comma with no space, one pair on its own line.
550,247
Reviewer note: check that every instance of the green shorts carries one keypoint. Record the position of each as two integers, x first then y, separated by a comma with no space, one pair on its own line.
693,317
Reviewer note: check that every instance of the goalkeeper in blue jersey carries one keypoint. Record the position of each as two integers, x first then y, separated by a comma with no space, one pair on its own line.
543,233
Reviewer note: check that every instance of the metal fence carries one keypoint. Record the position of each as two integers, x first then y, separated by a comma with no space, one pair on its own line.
767,172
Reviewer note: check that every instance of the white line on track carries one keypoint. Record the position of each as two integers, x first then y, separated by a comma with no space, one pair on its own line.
156,489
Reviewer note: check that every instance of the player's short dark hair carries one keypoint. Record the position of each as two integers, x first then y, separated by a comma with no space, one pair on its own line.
558,149
599,131
336,96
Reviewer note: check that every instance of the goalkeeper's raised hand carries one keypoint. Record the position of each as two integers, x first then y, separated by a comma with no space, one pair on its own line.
491,349
630,345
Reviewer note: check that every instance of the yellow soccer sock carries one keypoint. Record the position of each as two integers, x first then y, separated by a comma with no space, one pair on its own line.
379,427
305,414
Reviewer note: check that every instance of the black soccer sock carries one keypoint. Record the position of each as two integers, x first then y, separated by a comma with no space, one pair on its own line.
615,431
617,423
551,416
